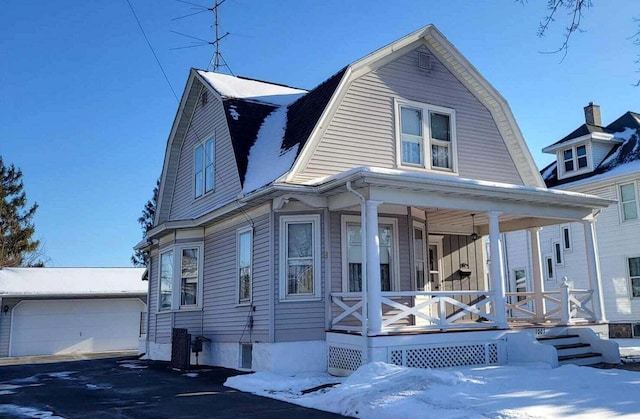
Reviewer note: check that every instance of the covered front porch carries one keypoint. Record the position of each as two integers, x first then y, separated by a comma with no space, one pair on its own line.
474,215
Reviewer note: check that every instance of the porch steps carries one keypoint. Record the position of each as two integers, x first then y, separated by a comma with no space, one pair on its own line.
571,350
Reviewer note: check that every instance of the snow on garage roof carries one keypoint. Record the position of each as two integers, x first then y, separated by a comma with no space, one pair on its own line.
71,281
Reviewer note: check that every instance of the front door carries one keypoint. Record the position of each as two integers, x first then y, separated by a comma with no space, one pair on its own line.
421,270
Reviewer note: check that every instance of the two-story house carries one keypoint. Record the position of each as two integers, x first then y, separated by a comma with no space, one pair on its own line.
318,230
603,161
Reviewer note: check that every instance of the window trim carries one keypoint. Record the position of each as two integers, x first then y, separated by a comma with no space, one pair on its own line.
239,300
566,238
629,279
176,282
426,109
159,309
621,206
549,275
562,172
285,220
557,253
204,144
356,219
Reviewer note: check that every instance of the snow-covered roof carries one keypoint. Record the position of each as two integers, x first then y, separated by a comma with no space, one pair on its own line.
249,89
624,157
71,281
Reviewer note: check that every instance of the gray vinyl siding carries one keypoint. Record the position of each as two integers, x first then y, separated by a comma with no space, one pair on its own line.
208,121
153,295
362,132
163,327
5,325
457,250
298,320
224,320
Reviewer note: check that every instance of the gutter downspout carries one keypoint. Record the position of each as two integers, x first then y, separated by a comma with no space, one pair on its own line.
363,228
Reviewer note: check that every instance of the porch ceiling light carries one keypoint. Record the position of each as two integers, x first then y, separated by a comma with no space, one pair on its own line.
474,235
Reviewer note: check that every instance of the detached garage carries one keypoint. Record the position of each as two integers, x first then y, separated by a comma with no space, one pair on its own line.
45,311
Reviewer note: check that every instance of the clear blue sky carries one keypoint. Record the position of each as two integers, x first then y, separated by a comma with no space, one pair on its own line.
85,112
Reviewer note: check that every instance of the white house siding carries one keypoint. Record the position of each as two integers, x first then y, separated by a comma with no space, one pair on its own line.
617,241
303,320
599,151
208,121
5,325
362,130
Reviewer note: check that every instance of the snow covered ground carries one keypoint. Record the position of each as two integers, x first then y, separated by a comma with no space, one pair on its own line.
629,348
379,390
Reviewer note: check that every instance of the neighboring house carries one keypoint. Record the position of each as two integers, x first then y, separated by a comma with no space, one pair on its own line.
47,311
604,161
309,230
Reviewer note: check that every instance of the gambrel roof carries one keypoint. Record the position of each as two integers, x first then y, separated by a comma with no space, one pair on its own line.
623,157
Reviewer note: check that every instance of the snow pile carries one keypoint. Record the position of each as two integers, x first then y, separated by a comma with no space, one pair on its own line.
626,136
380,390
266,160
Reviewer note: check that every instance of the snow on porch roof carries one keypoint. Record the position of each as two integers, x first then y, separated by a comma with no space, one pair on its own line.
243,88
71,281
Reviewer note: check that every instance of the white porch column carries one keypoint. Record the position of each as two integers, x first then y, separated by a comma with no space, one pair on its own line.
537,269
374,285
497,271
593,269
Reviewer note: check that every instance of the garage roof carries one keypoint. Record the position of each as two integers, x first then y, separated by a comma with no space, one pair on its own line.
71,281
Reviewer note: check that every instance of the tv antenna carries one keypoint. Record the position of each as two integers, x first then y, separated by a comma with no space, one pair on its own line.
217,61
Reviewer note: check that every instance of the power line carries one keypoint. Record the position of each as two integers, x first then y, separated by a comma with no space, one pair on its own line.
153,51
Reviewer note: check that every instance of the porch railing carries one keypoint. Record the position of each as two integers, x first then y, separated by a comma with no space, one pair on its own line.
416,310
565,306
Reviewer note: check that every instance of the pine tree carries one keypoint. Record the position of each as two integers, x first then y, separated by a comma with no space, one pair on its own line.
16,225
141,257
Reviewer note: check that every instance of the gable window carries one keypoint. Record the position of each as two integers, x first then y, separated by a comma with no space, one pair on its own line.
628,202
426,136
352,253
634,276
204,167
575,158
549,265
244,252
300,257
180,278
566,237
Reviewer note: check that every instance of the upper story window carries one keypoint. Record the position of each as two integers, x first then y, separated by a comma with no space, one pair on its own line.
204,160
575,158
352,253
300,257
180,278
628,202
426,136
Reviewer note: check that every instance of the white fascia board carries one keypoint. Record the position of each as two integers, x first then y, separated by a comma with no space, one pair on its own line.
594,136
62,296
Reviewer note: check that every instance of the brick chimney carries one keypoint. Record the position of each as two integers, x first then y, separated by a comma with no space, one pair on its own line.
592,114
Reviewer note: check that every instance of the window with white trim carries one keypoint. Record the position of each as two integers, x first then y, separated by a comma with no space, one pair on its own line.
628,202
634,276
180,278
352,253
244,260
204,160
557,253
575,158
300,257
420,255
426,136
566,237
548,262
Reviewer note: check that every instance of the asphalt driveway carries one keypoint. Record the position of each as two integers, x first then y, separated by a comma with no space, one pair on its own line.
127,388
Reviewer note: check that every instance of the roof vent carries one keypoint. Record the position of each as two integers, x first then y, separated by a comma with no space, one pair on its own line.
592,114
424,62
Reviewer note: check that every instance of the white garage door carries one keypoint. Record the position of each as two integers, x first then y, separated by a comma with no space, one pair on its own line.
65,326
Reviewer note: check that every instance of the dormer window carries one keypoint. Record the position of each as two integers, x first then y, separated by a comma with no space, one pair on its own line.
425,137
575,158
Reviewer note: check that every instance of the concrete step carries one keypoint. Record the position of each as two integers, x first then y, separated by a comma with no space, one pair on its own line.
589,358
559,340
573,349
